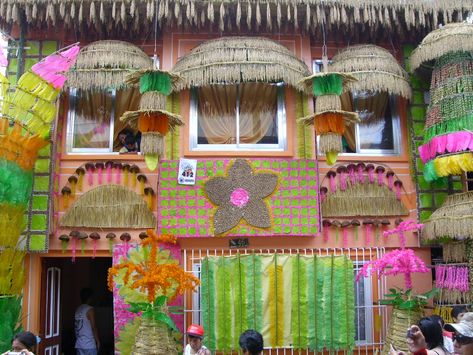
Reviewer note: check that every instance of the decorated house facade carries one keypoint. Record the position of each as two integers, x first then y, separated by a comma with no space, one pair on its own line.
287,145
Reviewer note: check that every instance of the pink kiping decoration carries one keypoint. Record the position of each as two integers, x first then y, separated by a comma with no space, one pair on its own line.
351,174
397,262
325,234
53,64
380,178
99,174
239,197
118,176
90,176
342,176
404,226
332,183
371,175
397,190
391,181
452,277
361,176
447,143
109,173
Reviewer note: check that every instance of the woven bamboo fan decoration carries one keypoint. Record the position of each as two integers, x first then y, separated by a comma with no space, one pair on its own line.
329,119
151,119
233,60
448,140
453,220
375,68
104,65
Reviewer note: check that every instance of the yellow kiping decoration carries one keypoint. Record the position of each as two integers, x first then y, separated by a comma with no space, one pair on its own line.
454,164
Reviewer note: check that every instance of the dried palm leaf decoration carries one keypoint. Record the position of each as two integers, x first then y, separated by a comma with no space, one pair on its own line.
109,206
448,140
329,119
104,65
453,220
375,68
233,60
151,119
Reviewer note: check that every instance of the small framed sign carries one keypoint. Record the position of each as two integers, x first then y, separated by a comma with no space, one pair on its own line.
187,171
239,243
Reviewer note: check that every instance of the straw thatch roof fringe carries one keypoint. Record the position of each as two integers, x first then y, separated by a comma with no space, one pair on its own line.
152,143
105,65
255,14
131,117
454,219
456,37
328,103
375,68
109,206
234,60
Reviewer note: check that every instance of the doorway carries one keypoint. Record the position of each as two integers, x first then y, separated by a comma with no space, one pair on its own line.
61,283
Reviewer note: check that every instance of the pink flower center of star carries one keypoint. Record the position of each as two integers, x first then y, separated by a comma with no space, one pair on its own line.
239,197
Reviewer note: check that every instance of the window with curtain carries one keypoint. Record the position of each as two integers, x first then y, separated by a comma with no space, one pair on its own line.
94,124
379,132
249,116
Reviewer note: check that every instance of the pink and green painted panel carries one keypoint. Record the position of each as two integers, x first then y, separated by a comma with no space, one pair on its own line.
186,211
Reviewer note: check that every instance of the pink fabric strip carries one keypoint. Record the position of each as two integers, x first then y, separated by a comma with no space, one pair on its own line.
447,143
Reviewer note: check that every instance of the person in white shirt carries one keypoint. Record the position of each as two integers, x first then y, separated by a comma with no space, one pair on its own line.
195,335
87,337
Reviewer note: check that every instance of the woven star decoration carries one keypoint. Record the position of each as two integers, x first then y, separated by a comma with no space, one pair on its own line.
240,196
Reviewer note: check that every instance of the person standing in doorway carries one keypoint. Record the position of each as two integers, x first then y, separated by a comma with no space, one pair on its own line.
87,336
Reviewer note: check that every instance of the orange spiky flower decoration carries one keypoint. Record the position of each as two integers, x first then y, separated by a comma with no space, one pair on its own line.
152,276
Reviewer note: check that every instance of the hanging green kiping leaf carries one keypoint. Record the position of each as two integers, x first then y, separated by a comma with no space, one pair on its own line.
156,81
328,84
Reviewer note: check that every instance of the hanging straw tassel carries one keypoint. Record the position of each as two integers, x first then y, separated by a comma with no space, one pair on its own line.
152,143
380,171
258,16
268,17
142,180
249,16
80,171
238,15
333,185
111,238
370,172
126,173
330,142
296,22
360,168
149,193
397,189
278,14
66,194
134,169
351,173
73,183
118,173
221,22
390,176
64,242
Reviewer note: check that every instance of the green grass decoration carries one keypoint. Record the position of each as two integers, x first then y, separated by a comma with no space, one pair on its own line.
10,309
156,81
15,183
328,84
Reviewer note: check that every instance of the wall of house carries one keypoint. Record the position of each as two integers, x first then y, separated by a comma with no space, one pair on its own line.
172,46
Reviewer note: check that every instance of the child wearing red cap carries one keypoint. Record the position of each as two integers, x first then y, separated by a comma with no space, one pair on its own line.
195,334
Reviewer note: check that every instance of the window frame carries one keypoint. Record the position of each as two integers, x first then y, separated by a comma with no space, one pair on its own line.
281,115
396,127
71,118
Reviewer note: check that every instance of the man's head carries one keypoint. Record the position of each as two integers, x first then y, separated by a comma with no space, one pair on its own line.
24,341
130,143
123,134
458,312
251,342
463,334
86,295
195,334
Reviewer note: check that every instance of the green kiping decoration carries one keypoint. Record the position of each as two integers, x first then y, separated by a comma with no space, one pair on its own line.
328,84
299,301
156,81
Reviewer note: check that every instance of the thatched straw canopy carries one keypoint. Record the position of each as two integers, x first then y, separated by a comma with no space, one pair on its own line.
233,60
454,219
349,18
105,65
454,37
375,68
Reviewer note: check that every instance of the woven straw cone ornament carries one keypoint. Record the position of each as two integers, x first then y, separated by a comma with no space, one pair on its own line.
154,338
